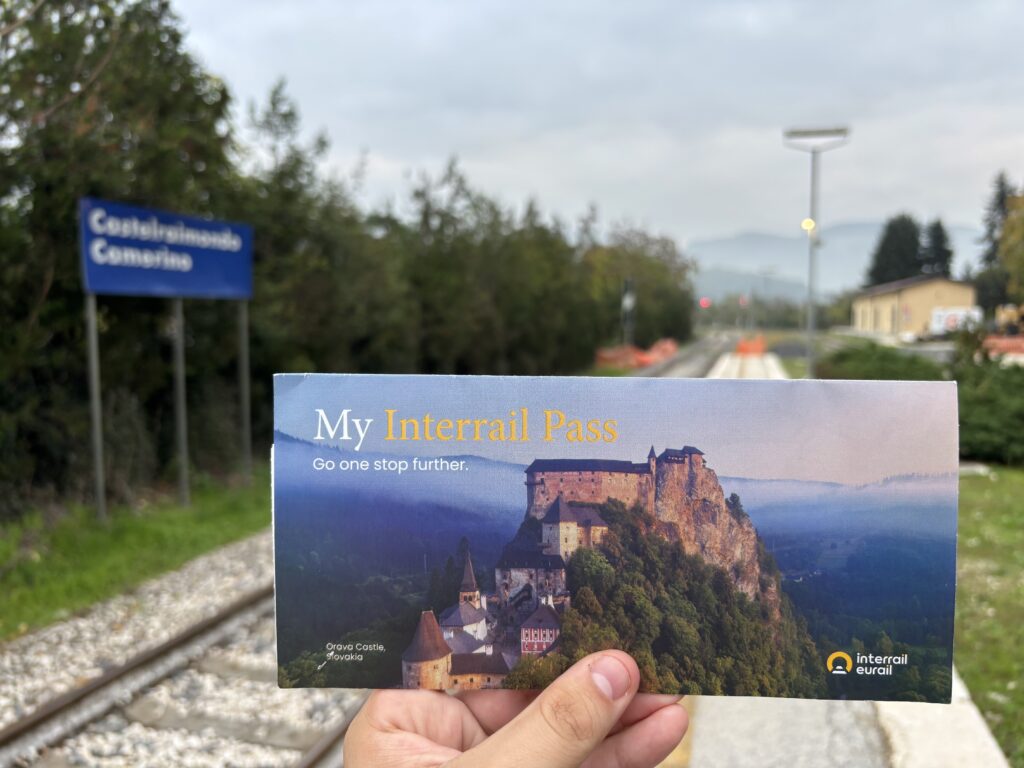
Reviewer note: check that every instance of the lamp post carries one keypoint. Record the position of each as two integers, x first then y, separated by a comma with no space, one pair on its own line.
815,141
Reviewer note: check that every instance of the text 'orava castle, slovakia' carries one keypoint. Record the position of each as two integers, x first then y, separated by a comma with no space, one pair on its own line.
522,617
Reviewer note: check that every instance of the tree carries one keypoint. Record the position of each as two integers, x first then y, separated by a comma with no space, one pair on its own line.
991,285
735,507
937,255
98,98
897,255
1011,248
995,215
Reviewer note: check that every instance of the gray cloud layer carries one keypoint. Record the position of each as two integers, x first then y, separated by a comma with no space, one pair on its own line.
666,114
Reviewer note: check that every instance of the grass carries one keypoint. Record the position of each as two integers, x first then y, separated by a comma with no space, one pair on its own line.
607,370
990,602
48,572
795,367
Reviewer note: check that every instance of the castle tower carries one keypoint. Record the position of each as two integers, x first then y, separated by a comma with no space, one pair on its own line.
678,471
427,662
469,592
649,491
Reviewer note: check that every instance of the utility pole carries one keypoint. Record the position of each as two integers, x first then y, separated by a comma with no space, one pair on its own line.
815,141
628,312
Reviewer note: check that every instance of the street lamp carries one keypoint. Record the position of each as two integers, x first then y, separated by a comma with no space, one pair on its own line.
815,141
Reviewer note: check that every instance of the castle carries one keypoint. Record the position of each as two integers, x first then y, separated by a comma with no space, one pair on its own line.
597,480
457,653
477,641
562,494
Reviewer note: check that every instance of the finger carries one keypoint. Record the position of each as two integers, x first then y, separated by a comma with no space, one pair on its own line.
567,721
645,743
493,709
644,705
391,720
377,737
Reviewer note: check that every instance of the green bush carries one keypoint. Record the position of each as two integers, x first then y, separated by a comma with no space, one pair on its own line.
872,361
991,411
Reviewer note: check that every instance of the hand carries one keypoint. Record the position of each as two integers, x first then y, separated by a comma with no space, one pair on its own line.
590,716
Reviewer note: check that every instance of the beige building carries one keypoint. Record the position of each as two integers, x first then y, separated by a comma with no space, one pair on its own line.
905,306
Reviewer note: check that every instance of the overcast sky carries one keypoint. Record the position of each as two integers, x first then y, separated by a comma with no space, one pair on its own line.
837,431
664,114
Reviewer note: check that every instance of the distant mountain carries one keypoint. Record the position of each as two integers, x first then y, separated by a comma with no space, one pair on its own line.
717,284
917,504
843,257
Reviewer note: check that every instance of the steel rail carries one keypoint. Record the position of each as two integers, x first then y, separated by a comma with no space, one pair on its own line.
50,710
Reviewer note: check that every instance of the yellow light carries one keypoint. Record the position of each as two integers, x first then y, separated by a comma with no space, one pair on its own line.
807,225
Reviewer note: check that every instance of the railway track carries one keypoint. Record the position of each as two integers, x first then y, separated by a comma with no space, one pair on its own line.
207,696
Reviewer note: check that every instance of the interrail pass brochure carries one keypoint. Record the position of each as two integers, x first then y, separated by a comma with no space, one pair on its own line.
739,538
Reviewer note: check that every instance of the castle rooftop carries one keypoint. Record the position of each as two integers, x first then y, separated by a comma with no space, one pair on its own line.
544,617
479,664
562,511
462,615
468,577
463,642
428,643
587,465
529,557
679,453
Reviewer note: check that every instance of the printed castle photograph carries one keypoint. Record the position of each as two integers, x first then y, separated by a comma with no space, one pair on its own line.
674,496
504,574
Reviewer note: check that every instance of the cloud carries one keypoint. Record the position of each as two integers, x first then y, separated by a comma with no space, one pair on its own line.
665,113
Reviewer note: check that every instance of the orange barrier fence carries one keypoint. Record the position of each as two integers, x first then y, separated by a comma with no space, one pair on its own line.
754,346
628,356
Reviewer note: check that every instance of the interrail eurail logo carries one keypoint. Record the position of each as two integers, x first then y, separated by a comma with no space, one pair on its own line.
841,663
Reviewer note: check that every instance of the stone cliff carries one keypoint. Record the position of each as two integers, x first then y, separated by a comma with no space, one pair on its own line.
690,507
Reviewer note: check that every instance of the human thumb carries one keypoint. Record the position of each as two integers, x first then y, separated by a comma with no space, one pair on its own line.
569,719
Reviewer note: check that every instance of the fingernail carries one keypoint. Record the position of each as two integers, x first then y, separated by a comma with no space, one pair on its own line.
611,676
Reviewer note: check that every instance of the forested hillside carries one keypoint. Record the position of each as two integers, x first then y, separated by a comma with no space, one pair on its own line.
685,622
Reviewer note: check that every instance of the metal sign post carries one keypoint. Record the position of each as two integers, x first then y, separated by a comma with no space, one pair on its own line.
131,251
95,406
243,389
180,412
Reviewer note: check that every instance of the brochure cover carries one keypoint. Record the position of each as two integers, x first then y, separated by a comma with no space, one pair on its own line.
747,538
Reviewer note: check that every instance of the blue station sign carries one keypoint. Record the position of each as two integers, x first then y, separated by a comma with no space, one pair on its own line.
135,251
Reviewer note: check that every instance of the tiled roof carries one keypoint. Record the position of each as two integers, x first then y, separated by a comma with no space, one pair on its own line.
463,642
587,465
686,450
522,557
479,664
543,618
468,577
899,285
562,511
462,615
428,643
